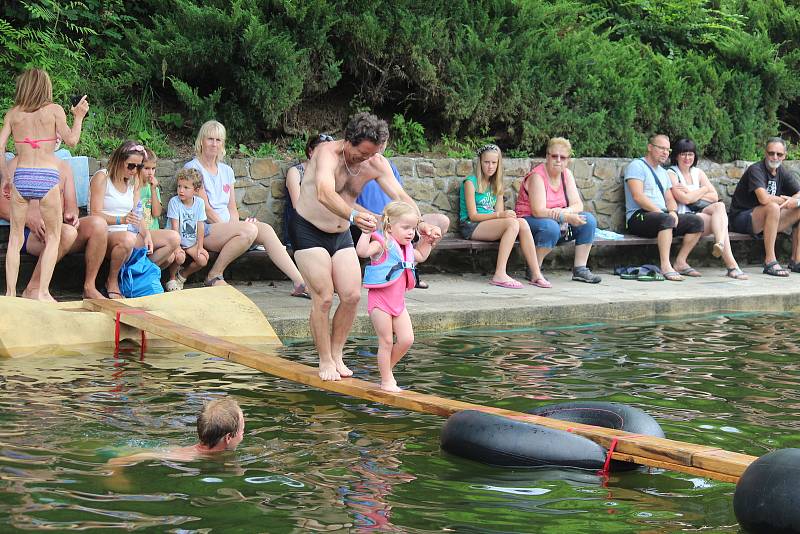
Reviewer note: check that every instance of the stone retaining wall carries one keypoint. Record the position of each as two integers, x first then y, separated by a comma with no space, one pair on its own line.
434,184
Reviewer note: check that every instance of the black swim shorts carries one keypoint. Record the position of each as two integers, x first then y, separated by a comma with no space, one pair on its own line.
650,223
305,235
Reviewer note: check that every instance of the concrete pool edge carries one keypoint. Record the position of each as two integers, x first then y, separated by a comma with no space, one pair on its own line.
456,302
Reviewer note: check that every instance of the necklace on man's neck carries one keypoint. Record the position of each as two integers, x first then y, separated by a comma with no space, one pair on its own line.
351,173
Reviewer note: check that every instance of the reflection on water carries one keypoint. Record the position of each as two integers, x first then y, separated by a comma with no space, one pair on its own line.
313,461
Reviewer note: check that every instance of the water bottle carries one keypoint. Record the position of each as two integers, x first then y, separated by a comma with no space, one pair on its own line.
134,228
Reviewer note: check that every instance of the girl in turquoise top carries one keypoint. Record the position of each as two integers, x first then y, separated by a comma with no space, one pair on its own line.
483,217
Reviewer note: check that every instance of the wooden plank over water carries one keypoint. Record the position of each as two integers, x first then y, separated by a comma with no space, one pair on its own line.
710,462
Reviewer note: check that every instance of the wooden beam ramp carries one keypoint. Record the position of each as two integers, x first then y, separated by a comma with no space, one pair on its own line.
709,462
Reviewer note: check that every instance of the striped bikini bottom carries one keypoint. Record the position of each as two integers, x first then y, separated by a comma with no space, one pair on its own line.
35,183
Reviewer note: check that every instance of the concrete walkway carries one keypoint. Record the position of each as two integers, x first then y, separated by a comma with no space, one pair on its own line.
462,301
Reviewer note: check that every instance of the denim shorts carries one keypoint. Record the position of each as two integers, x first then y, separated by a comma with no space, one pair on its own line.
467,229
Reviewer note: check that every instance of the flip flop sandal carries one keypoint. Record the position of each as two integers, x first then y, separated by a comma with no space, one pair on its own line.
794,267
211,282
673,276
541,282
717,250
691,272
172,285
509,284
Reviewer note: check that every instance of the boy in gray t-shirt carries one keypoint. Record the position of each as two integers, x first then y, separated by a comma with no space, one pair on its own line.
186,214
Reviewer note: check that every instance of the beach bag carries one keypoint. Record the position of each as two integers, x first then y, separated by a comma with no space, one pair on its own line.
139,276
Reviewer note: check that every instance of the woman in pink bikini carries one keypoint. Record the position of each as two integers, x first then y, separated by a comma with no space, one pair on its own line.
36,124
388,276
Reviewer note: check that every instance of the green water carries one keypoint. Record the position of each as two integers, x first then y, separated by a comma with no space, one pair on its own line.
313,461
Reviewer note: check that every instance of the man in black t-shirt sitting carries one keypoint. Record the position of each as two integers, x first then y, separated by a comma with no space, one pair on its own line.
767,200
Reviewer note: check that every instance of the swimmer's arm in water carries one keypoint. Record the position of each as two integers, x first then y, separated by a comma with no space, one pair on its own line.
366,248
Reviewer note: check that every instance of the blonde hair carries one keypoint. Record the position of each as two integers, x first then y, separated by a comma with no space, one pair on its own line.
559,141
218,418
34,90
190,175
393,211
149,155
496,181
210,129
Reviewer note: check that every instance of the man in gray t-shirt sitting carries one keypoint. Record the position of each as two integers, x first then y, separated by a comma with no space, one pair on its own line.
650,209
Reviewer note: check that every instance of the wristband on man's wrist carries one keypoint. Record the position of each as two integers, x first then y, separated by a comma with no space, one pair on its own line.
118,221
798,202
353,215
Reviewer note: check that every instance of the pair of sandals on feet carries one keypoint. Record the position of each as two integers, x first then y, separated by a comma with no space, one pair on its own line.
514,284
678,276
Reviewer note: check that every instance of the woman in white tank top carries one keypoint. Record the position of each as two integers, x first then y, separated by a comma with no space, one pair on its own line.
113,195
694,193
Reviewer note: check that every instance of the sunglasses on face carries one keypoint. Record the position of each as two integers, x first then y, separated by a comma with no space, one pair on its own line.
132,166
776,154
558,156
325,138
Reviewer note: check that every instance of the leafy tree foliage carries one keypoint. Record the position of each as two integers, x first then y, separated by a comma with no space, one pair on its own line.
605,73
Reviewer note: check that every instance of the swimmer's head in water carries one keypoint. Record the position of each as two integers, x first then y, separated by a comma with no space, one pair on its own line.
221,419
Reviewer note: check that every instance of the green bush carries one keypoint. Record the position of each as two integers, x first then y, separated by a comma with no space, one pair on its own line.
605,73
408,135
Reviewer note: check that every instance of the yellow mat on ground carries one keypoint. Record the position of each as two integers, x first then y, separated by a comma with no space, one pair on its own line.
29,327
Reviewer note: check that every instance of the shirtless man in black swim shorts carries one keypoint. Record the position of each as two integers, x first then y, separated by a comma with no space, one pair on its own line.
324,249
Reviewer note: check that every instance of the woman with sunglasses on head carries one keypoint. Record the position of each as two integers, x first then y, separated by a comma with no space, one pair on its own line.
114,195
294,177
694,194
225,233
550,203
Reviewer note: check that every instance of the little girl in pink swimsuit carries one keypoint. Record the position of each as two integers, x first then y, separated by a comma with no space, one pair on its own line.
388,276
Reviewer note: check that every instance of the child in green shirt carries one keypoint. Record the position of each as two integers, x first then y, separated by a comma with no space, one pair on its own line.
150,192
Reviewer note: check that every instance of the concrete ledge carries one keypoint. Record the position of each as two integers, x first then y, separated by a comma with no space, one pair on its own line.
456,301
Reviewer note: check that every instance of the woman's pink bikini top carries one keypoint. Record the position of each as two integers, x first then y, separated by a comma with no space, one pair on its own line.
34,143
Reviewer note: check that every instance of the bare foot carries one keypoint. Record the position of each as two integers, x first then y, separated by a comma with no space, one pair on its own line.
92,293
328,372
391,387
45,297
30,293
341,368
